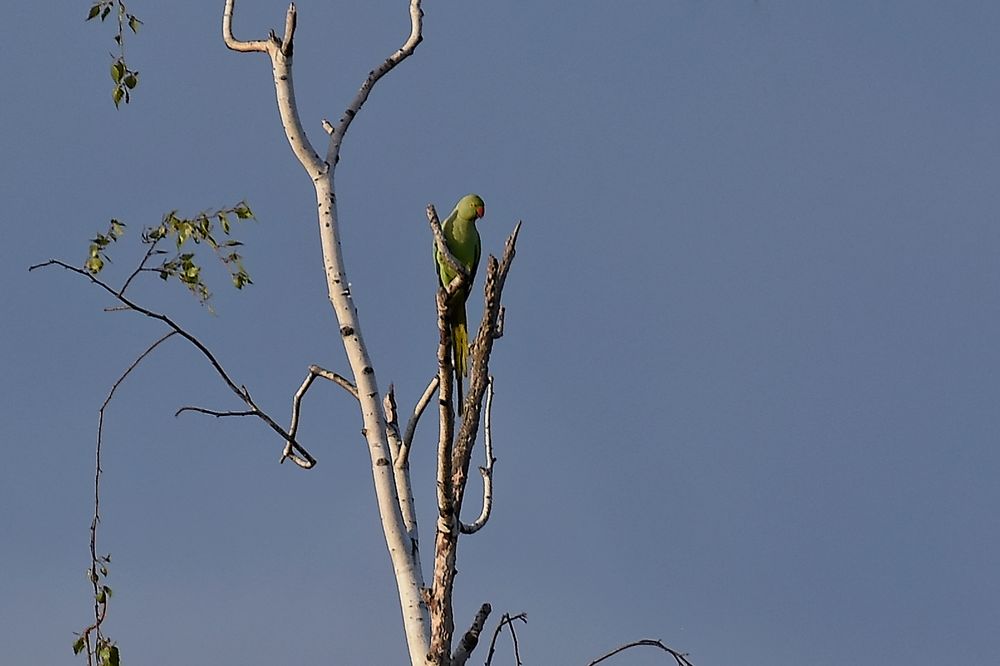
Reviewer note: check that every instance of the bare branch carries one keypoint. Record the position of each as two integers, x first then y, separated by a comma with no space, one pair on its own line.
280,52
471,638
230,40
401,473
454,452
411,426
241,392
679,657
446,533
213,412
100,601
403,52
486,471
307,461
342,382
286,40
508,621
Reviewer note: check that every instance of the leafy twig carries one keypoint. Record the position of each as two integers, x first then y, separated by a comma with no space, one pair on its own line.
124,77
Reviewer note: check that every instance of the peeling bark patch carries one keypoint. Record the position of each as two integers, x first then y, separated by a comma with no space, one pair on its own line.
346,331
381,462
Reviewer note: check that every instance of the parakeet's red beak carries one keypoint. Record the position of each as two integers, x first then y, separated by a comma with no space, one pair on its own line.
480,211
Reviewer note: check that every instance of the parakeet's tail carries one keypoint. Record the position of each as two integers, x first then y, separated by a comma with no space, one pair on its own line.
460,340
460,350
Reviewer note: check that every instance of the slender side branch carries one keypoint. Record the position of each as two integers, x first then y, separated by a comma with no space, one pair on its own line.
471,638
403,52
96,563
340,381
214,412
508,621
679,657
401,473
411,426
487,470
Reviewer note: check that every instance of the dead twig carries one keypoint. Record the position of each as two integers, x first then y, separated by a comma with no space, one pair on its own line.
679,657
508,621
471,638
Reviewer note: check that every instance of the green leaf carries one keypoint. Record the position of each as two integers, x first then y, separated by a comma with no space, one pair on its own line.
117,95
78,645
117,70
94,265
243,212
114,659
131,81
94,11
104,14
117,229
134,23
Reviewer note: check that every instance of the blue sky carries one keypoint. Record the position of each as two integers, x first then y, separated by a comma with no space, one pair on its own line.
747,396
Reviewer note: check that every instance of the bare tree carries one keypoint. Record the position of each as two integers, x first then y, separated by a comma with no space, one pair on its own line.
427,610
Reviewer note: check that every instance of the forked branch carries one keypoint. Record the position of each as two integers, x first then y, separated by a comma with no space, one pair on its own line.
241,391
507,621
387,477
454,452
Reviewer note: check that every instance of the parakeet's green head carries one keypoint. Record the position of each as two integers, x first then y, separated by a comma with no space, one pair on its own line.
471,207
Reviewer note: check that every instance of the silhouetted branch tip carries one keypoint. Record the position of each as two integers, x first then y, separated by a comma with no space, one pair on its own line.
679,657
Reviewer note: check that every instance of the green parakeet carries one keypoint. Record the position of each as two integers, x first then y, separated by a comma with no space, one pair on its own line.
462,238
